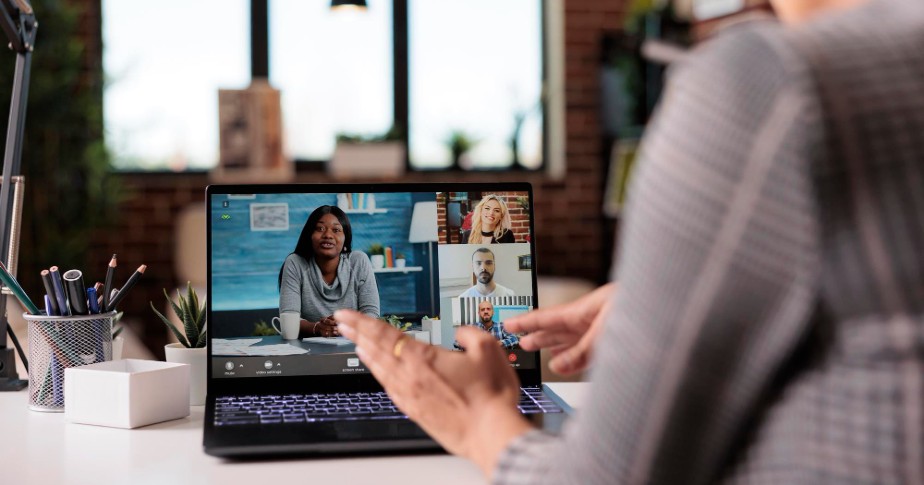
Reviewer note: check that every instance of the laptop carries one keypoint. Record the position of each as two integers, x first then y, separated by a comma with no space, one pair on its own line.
311,395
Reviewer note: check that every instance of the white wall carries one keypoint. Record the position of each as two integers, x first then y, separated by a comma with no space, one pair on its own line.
455,262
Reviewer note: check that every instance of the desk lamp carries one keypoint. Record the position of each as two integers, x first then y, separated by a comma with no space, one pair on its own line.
18,23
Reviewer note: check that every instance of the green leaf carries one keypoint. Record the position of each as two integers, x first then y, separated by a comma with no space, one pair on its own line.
193,297
176,332
202,338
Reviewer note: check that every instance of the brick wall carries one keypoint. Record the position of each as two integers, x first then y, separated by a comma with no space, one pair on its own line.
571,235
519,217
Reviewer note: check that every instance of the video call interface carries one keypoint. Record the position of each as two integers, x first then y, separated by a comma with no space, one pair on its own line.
425,263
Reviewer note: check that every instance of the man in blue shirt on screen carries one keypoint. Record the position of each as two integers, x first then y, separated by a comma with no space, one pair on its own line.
486,322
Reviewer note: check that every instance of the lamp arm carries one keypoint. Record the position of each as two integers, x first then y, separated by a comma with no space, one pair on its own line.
17,20
18,23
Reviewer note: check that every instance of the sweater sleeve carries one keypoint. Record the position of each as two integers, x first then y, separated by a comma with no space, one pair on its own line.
367,290
715,268
290,288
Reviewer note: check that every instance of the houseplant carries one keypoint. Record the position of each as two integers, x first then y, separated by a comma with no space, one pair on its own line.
191,347
377,255
459,144
375,156
400,260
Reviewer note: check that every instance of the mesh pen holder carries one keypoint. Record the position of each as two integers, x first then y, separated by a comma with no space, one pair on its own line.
56,343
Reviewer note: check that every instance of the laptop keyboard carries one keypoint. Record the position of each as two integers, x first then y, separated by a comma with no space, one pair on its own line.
533,400
313,408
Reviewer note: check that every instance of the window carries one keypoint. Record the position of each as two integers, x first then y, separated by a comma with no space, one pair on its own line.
475,71
164,66
472,70
334,69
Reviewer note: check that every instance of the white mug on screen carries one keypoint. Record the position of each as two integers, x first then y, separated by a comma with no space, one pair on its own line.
288,325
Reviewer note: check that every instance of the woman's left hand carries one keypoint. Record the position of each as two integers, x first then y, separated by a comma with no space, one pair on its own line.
465,400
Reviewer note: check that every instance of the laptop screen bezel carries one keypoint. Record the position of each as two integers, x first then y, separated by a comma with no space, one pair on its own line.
345,382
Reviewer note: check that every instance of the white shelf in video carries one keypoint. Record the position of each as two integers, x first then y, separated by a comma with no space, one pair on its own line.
365,211
406,269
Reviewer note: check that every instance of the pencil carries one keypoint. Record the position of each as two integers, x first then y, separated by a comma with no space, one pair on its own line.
17,290
110,272
114,302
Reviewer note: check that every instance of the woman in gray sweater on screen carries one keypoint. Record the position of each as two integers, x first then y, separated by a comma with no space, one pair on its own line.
324,274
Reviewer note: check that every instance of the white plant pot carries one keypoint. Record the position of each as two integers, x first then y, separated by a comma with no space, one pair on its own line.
378,261
400,263
419,335
367,160
196,359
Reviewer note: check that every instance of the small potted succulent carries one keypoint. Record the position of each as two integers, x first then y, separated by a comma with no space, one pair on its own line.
400,260
190,348
377,255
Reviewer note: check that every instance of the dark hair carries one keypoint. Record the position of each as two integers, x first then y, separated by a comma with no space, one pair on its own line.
304,248
483,250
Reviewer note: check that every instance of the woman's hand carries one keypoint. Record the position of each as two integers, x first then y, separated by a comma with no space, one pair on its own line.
569,330
327,327
465,401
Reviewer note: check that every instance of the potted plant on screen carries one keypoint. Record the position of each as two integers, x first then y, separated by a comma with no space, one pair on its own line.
190,348
377,255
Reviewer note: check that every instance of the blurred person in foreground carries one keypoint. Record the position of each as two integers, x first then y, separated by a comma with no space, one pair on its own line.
768,324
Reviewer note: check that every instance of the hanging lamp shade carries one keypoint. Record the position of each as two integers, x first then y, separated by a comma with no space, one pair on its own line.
351,4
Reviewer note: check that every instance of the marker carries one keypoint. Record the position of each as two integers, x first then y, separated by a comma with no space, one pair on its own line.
92,300
51,302
110,272
114,302
76,292
18,292
60,294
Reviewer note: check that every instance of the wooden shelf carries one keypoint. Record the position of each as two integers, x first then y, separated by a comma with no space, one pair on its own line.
365,211
406,269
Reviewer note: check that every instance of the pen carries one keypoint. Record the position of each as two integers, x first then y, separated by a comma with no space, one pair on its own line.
114,302
60,294
92,300
51,302
110,272
76,292
17,290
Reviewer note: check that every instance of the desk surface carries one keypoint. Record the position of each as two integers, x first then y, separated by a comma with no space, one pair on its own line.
39,448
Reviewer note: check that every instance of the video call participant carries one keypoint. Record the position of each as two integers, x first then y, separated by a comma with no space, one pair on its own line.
324,274
490,223
487,323
483,269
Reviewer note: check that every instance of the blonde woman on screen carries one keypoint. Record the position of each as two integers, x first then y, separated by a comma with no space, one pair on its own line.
490,222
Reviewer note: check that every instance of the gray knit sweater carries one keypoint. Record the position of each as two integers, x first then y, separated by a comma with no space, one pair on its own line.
303,289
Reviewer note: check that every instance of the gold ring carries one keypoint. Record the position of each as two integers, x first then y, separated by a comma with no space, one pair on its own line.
399,345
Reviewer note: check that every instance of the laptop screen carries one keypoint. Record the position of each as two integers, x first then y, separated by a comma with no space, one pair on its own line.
426,259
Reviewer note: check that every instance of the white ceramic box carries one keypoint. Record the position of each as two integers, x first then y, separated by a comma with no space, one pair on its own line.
126,393
441,331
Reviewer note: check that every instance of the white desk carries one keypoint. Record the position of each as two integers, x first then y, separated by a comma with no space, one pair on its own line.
41,448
